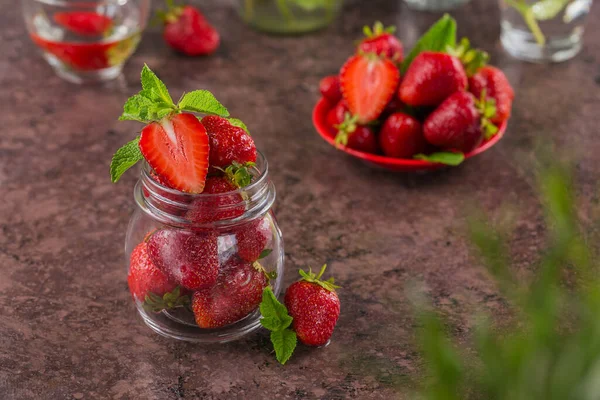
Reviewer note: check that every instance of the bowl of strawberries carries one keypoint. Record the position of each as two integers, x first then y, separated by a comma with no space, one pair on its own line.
438,106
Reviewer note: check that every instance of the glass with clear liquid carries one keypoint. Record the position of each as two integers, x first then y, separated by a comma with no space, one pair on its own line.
542,31
86,41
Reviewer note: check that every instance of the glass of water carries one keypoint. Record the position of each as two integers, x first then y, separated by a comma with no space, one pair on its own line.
542,30
86,41
435,5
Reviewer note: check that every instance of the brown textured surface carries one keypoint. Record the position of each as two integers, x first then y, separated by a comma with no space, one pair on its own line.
67,326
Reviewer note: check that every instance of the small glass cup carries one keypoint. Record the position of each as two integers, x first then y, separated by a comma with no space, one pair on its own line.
86,41
232,236
288,16
435,5
533,32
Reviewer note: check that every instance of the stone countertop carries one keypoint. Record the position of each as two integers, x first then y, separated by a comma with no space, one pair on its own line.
68,328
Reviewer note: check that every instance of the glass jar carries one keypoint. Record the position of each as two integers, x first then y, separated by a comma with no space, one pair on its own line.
197,264
86,41
542,31
288,16
435,5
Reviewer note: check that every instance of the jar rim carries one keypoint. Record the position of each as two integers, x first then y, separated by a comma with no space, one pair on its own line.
206,210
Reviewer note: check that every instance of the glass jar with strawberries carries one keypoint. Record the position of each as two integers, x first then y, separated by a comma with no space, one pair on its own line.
203,242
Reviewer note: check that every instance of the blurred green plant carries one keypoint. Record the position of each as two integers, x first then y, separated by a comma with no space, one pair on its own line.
551,349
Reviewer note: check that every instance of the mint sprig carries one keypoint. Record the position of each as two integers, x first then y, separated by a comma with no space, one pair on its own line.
154,101
276,319
439,37
444,157
125,158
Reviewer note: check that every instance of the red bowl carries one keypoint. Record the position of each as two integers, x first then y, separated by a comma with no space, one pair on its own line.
391,163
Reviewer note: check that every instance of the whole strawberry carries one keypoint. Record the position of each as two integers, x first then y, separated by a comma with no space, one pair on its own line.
459,123
315,307
252,238
381,41
337,114
237,292
356,136
187,31
401,136
188,258
368,83
228,143
431,78
144,277
330,88
496,86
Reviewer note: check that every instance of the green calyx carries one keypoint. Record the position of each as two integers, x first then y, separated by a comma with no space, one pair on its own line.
487,109
238,174
472,59
312,278
168,301
378,29
168,16
345,129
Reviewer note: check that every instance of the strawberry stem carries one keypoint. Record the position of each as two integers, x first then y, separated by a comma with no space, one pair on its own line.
310,276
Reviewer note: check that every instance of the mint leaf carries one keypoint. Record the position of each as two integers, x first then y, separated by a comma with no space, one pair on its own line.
441,35
447,158
202,101
153,88
239,124
275,315
125,158
544,10
284,343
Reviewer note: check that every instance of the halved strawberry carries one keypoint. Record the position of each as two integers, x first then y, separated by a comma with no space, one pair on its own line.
177,149
85,23
368,83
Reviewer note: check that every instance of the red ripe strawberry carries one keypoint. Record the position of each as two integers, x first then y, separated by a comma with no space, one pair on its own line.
144,278
330,88
206,209
85,23
252,239
315,307
382,42
401,136
496,87
431,78
456,124
236,294
228,143
337,114
177,149
190,259
368,83
357,137
187,31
